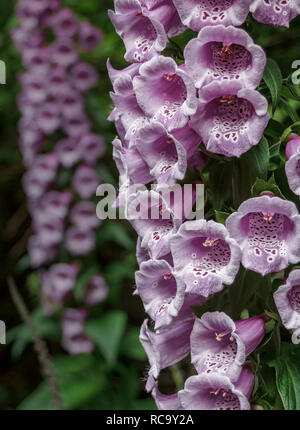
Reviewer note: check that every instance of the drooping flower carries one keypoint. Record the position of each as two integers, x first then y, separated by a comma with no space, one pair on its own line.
196,14
96,290
79,240
93,147
58,282
166,401
292,166
89,36
165,347
205,256
74,339
266,228
85,181
287,299
220,345
230,119
84,76
216,392
165,92
224,54
275,12
84,215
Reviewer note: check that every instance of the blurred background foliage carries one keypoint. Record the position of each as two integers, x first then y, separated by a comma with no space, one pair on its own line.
112,376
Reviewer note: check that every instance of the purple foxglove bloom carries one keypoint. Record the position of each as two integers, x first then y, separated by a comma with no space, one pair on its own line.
164,12
89,36
83,214
77,125
36,60
165,347
224,54
71,103
50,229
287,299
115,74
46,166
58,82
84,76
143,36
79,240
216,392
165,92
75,340
166,154
65,24
205,256
141,253
93,147
68,151
219,345
38,253
266,228
96,291
292,166
230,119
61,281
275,12
33,186
54,204
49,117
169,402
64,53
196,14
35,90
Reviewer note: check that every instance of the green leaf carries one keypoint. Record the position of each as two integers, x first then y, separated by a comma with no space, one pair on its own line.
131,345
221,217
219,183
288,375
273,79
261,186
107,333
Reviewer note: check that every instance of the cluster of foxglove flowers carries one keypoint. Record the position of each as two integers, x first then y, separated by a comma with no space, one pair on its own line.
162,112
59,151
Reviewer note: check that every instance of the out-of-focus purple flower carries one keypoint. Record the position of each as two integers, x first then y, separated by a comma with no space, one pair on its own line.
287,299
36,59
84,76
58,282
224,53
143,36
71,103
230,119
96,291
79,240
196,14
54,204
165,92
75,340
35,90
89,36
219,345
83,214
292,166
65,24
93,147
216,392
38,253
266,228
49,117
205,256
50,229
85,181
58,82
275,12
165,347
76,125
68,151
64,53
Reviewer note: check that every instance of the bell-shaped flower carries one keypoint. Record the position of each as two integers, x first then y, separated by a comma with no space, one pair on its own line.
275,12
83,214
59,281
224,54
230,119
74,339
196,14
89,36
292,166
79,240
96,290
205,256
266,228
68,151
85,181
84,76
165,12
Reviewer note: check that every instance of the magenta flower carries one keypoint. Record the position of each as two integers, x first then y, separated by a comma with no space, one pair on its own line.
196,14
164,12
143,36
93,147
71,103
275,12
68,151
75,340
165,347
165,92
292,166
205,256
83,214
59,281
79,240
89,36
287,299
230,119
219,345
65,24
54,204
224,54
38,253
166,401
216,392
64,53
96,291
84,76
166,154
266,229
85,181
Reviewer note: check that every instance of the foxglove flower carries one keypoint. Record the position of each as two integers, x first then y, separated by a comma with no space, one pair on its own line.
205,256
143,36
230,119
69,152
287,299
196,14
224,54
165,92
85,181
93,147
96,291
292,166
79,240
65,23
64,53
165,347
220,345
275,12
164,12
83,214
58,282
266,228
169,402
75,340
89,36
84,76
216,392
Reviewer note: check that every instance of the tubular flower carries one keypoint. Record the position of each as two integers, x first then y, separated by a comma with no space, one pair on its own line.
165,92
219,345
275,12
75,340
224,54
266,229
292,166
205,256
196,14
230,119
287,299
